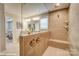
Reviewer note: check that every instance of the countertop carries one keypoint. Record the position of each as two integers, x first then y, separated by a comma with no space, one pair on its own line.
25,34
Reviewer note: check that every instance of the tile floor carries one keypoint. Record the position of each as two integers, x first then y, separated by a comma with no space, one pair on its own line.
13,50
51,51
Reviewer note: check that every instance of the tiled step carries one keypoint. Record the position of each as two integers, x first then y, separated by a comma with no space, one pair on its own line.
59,44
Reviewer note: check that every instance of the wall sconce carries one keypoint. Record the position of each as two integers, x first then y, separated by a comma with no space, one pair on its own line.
27,19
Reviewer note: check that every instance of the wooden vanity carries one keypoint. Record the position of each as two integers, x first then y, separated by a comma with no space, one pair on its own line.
34,44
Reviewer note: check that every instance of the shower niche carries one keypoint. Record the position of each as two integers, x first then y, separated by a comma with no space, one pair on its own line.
66,25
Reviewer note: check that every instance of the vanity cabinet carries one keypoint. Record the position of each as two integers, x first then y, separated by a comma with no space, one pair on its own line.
34,45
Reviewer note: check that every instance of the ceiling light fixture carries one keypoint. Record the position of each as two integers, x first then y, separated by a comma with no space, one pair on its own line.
36,18
57,4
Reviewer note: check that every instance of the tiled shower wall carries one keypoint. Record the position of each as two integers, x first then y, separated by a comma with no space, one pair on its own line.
57,24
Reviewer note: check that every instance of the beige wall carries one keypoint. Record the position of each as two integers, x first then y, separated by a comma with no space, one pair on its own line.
74,28
57,23
2,28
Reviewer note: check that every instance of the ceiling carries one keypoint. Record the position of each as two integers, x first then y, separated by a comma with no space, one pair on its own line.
31,9
13,8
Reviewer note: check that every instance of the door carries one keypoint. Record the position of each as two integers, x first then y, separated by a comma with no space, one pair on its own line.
9,29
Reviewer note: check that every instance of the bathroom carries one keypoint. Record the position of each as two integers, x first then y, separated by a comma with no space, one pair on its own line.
53,34
42,29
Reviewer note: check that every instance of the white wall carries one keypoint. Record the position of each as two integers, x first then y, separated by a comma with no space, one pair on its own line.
16,32
74,28
2,28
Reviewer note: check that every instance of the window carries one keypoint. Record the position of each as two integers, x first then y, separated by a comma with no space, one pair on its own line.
44,23
9,24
